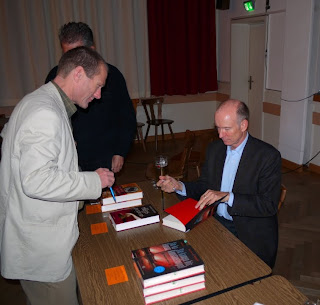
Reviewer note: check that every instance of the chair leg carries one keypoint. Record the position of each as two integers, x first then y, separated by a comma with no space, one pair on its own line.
172,134
140,137
198,170
147,132
162,133
156,136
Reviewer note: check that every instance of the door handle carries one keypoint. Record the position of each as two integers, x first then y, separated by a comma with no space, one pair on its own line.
250,81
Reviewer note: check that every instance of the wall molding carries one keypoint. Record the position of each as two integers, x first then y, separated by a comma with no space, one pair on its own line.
316,118
314,168
316,98
177,135
271,108
292,166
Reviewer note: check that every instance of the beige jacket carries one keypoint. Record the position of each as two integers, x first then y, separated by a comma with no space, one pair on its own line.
39,188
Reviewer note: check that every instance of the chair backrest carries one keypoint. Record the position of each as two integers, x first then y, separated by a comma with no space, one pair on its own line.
205,139
135,102
282,196
182,170
150,105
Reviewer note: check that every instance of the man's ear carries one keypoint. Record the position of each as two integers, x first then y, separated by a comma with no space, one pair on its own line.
78,74
244,125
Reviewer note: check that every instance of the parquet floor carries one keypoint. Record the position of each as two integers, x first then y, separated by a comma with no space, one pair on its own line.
299,223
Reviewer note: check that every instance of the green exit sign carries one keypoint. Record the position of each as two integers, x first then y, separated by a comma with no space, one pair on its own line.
249,6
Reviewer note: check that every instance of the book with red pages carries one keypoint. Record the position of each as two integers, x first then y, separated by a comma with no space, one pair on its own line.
197,279
120,205
134,217
184,216
174,293
166,263
124,192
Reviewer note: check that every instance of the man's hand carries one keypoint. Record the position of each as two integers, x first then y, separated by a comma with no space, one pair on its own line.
210,196
117,163
169,184
106,177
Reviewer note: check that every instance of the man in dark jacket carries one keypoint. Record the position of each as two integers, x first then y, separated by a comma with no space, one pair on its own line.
244,175
104,132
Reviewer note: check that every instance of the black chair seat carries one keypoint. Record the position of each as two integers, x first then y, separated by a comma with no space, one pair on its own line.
160,122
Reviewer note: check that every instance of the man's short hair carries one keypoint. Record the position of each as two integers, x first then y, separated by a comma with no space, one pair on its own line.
85,57
76,31
242,109
242,112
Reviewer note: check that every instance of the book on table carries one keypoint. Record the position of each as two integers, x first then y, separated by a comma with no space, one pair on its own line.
183,216
166,263
174,293
124,192
134,217
120,205
166,287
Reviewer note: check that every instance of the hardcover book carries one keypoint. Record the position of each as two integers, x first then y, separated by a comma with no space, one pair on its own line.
120,205
174,285
122,193
184,216
166,263
134,217
174,293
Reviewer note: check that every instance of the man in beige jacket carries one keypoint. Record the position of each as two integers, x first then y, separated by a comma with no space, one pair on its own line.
40,184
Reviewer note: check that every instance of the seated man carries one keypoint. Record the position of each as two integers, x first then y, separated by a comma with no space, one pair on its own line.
246,173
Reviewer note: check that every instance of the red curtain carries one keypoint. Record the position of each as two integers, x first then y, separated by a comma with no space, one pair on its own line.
182,46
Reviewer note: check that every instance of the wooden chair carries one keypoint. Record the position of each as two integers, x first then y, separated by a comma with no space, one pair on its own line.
177,169
139,126
150,105
197,157
282,196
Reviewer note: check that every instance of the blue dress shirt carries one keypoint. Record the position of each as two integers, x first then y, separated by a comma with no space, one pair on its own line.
229,173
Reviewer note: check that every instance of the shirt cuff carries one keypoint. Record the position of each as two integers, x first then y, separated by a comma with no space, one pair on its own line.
231,198
184,191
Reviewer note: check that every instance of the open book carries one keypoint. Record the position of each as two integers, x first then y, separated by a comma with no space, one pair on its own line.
184,216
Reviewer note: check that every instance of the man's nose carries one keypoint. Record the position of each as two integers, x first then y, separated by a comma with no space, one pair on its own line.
221,133
97,94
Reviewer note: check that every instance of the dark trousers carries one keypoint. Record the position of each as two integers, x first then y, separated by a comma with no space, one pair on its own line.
226,223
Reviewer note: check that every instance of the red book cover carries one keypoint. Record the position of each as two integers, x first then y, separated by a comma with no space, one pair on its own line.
184,216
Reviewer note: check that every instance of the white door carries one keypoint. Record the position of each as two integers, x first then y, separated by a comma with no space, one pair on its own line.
256,78
247,68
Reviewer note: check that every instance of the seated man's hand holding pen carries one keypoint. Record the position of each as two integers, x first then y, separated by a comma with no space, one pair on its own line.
169,184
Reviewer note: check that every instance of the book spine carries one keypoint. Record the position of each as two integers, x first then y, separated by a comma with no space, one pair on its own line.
200,217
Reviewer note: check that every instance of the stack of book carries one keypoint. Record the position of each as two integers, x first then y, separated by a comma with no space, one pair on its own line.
168,270
134,217
127,195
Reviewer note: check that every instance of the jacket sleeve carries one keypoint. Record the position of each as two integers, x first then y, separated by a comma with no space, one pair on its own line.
258,183
48,162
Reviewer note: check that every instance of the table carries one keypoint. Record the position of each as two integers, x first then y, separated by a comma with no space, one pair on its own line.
269,291
228,261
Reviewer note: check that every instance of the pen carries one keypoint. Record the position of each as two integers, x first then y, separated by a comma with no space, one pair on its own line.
112,193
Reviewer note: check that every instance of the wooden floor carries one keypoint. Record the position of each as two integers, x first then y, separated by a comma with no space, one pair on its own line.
299,223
